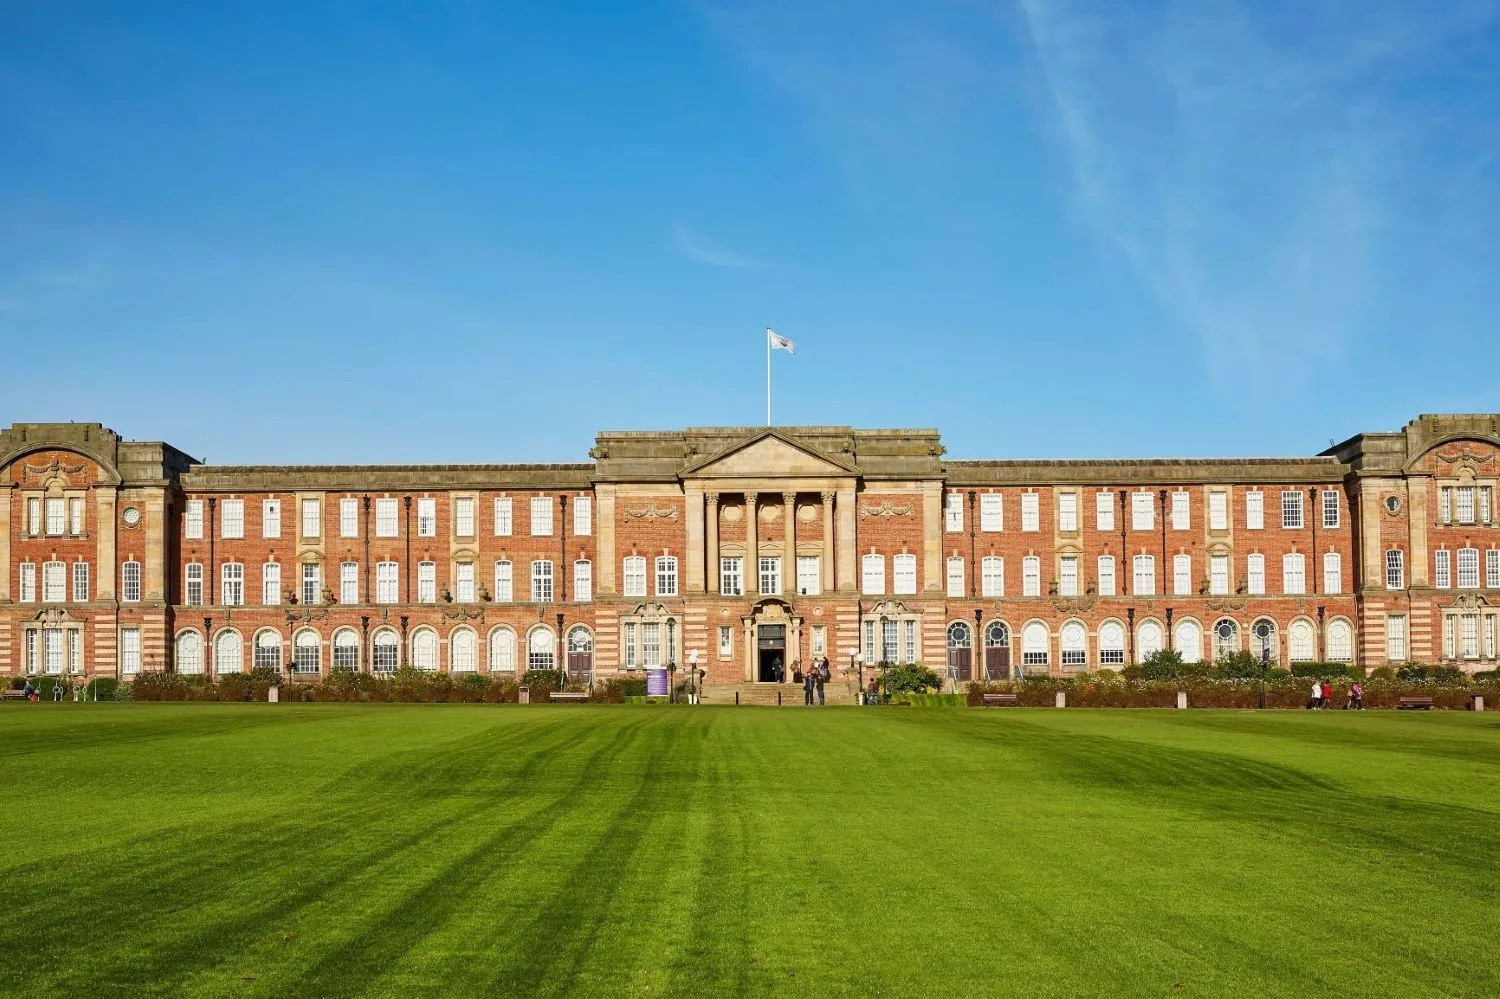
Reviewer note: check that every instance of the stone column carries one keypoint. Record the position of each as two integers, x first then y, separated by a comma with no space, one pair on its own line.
1418,561
752,545
711,531
694,530
933,577
108,571
153,557
7,497
826,568
604,540
789,569
847,541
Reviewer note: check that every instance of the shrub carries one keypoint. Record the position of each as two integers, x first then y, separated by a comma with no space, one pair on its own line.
124,692
549,679
104,688
911,678
1383,674
1328,671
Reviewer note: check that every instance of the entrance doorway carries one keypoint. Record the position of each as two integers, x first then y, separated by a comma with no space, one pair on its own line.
960,652
580,654
997,651
770,646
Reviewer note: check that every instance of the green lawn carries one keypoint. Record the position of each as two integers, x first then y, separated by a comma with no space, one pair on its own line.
321,850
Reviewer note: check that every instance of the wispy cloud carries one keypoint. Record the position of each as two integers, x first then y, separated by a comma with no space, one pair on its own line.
697,247
1242,159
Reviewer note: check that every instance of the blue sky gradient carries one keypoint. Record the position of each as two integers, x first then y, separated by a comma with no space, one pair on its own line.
461,231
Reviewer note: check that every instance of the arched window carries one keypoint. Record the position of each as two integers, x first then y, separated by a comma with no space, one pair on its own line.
1034,644
229,653
1149,640
1301,641
1226,638
346,650
424,649
1190,641
1111,644
502,651
580,639
958,635
307,652
1340,641
997,635
385,650
1074,643
463,651
189,653
539,650
268,650
1263,640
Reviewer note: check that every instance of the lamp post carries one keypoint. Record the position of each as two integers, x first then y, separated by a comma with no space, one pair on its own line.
562,653
1263,632
671,658
857,663
692,677
981,651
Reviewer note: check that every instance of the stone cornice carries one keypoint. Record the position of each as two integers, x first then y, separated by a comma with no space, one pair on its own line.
384,478
1146,471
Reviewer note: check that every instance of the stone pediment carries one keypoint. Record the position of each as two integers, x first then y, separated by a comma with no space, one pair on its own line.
770,454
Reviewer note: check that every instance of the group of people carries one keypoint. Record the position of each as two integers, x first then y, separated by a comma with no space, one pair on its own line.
1322,696
813,678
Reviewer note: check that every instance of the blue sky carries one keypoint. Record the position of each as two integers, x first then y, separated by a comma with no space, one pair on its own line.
462,231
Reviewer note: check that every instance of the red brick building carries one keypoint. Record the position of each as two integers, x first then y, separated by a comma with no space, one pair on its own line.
749,549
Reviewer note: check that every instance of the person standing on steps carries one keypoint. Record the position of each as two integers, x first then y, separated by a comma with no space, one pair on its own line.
808,682
820,677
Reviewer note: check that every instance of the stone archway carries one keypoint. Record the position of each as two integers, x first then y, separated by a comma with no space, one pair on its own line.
773,641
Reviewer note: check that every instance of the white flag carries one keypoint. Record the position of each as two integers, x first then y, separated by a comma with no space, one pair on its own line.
779,342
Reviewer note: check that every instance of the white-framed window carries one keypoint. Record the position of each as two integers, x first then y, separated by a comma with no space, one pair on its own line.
81,581
1291,510
312,583
954,519
872,574
1067,512
265,651
426,516
28,583
1301,642
1144,572
192,584
424,649
1106,570
726,641
650,644
666,576
1468,636
541,515
312,518
809,577
34,515
502,516
1464,504
1340,641
1450,638
270,518
1468,568
991,512
1182,575
1395,569
629,654
1442,569
75,515
346,650
635,576
232,523
387,582
504,581
1031,512
189,654
1072,642
1142,512
909,641
270,584
1489,636
1035,644
130,582
192,518
463,582
348,582
502,651
1067,576
868,641
1333,573
770,575
463,650
130,651
1111,644
54,582
903,574
1218,575
1190,641
463,516
1104,511
992,576
1255,570
1331,509
229,653
1181,515
387,517
1293,573
819,640
1492,568
583,515
426,582
1031,576
1486,504
1149,639
541,581
731,575
385,651
1255,510
349,517
1445,504
955,576
583,580
307,652
1218,510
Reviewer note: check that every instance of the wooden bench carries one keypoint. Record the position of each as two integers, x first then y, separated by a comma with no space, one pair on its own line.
568,697
998,700
13,695
1414,704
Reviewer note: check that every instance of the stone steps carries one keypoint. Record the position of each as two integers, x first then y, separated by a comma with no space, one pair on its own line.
764,694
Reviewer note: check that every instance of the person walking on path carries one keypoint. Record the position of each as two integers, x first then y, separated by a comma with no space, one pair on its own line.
30,692
1316,696
1356,697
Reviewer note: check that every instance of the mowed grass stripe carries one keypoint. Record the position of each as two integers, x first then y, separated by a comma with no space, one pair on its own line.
441,850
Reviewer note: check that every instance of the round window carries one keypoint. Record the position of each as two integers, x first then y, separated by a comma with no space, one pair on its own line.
1393,504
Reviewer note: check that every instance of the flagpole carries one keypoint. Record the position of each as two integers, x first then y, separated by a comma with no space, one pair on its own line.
768,376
